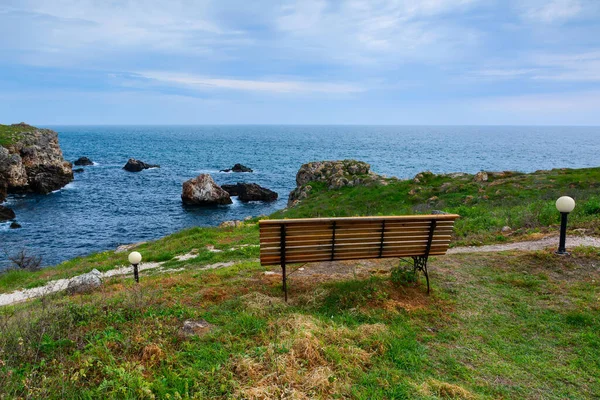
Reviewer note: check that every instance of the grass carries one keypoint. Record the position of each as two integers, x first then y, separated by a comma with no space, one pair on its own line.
497,325
162,250
9,134
524,202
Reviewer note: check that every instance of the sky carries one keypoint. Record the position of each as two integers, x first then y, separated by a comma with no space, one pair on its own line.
407,62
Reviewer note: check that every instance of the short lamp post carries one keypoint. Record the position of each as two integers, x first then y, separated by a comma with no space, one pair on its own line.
565,205
135,258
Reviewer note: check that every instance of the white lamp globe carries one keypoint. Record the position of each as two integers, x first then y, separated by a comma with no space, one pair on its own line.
135,257
565,204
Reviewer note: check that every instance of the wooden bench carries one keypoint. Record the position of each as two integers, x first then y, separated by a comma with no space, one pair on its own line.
287,241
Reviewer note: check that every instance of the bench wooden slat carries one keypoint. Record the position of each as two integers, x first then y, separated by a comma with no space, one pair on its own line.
319,230
359,253
324,257
346,225
340,246
370,225
427,217
270,243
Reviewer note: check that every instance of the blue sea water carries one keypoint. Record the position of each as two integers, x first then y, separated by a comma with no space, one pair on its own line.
106,206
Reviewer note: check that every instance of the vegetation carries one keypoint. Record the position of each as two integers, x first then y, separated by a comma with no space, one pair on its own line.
10,134
523,202
502,325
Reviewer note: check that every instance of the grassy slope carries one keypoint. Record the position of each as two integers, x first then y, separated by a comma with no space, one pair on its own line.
525,202
520,325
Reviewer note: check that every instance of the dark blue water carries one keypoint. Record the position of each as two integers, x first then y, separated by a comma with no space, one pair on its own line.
106,206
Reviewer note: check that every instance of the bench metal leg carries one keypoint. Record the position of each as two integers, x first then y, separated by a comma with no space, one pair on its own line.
284,281
420,264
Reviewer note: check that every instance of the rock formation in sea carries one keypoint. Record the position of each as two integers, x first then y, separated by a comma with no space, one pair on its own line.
31,161
83,161
203,191
250,192
335,174
134,165
6,214
237,168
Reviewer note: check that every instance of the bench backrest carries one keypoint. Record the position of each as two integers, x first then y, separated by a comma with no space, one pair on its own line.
329,239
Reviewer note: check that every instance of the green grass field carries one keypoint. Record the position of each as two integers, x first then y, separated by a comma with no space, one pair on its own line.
520,325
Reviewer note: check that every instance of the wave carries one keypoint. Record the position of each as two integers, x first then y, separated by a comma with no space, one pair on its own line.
68,186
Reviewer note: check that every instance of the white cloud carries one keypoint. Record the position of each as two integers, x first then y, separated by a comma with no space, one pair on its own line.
583,67
570,67
499,73
203,83
546,103
549,11
376,30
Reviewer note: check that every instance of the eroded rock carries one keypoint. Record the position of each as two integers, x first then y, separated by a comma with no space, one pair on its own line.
134,165
250,192
481,176
231,224
6,214
85,283
237,168
33,162
195,327
335,174
83,161
203,191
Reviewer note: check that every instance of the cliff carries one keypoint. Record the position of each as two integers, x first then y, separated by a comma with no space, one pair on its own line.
31,161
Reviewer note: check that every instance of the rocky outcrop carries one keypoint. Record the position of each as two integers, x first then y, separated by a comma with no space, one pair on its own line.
134,165
32,161
195,327
6,214
83,161
237,168
233,190
236,223
85,283
78,170
203,191
335,174
481,176
250,192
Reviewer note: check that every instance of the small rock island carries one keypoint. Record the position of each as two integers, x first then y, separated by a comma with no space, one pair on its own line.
134,165
250,192
237,168
83,161
203,191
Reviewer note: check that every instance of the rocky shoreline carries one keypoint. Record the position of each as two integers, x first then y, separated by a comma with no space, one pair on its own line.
31,161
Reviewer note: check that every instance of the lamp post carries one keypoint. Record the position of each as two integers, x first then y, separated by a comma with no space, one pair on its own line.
565,205
135,258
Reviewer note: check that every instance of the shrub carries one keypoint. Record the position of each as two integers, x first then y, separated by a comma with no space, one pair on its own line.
23,261
402,275
592,206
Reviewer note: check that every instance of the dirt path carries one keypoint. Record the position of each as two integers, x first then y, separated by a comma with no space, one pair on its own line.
551,241
61,284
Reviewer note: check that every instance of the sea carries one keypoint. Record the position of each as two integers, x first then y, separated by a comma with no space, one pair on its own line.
106,206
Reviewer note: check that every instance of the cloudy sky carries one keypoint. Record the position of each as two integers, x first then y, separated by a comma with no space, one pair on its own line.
300,62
